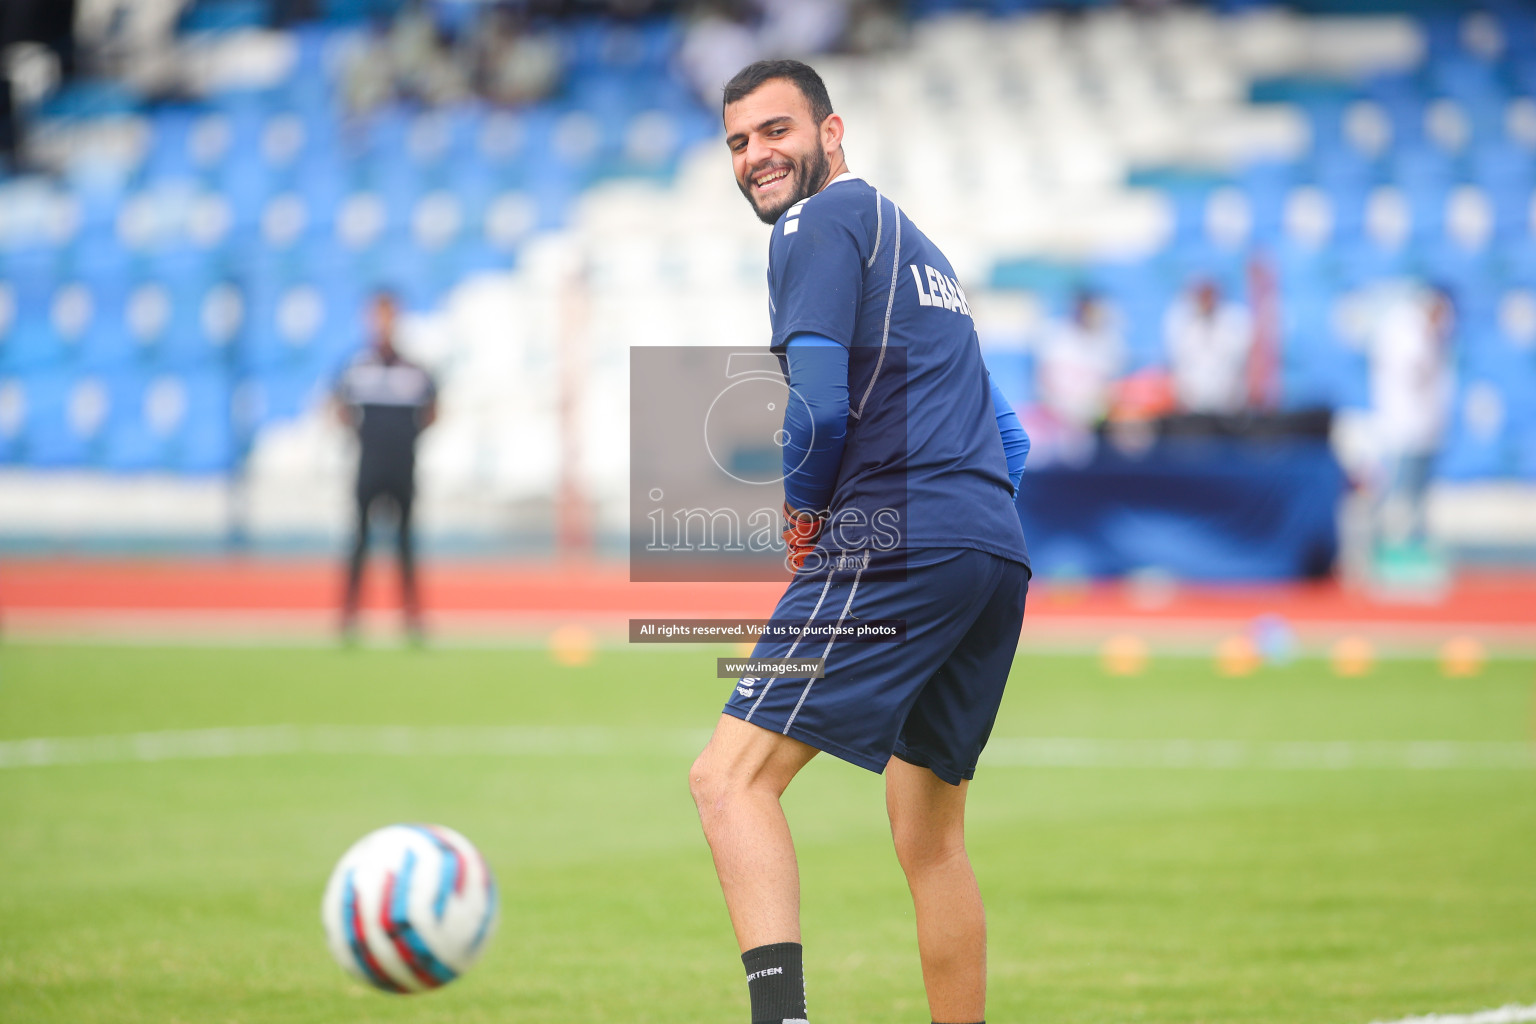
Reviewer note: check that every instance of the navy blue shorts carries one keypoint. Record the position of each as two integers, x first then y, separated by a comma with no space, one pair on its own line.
930,699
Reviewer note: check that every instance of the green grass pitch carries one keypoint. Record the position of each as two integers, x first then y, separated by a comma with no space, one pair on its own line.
188,890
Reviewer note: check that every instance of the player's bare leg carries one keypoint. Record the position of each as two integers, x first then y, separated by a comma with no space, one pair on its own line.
736,784
928,826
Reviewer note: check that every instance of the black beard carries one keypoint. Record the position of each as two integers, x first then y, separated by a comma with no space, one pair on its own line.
808,179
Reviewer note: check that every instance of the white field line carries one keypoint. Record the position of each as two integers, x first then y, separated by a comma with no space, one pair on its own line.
1338,755
384,740
1510,1014
523,741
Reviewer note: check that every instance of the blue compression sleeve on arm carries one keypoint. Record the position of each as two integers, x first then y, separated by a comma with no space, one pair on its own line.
1015,441
816,422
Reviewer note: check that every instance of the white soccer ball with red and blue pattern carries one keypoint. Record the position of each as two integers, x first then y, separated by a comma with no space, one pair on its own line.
409,907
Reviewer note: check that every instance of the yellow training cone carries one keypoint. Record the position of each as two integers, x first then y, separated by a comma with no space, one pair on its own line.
1237,656
1461,657
1353,656
572,646
1124,654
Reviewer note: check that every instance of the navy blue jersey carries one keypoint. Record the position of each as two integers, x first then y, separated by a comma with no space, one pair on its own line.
923,466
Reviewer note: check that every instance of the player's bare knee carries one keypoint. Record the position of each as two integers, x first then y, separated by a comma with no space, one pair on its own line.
700,780
711,787
919,850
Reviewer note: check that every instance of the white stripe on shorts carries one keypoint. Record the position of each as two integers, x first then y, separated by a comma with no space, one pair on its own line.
825,587
828,649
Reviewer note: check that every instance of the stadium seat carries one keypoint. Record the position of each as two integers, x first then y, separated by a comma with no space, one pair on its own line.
139,441
13,419
67,418
171,151
27,339
206,438
284,395
259,218
1479,443
106,343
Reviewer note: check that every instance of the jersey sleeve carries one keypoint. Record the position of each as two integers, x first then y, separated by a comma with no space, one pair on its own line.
816,271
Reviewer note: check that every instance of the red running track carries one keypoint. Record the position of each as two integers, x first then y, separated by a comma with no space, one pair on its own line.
63,586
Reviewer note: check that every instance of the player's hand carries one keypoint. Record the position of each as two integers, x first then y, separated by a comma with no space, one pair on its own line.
801,530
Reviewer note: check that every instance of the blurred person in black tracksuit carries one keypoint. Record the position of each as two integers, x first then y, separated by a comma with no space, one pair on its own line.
388,401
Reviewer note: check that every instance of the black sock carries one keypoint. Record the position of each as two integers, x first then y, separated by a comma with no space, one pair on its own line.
776,981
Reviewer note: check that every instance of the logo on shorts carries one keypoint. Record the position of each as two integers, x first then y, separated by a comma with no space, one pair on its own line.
745,687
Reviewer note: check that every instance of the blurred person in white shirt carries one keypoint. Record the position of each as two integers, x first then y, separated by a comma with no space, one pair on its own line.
1079,360
1208,343
1412,381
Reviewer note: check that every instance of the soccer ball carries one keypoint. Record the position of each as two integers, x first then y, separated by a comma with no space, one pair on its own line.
409,907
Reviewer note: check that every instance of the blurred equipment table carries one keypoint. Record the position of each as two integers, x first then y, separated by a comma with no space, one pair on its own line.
1201,498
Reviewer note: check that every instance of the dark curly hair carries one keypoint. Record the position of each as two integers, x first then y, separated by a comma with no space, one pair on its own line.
752,77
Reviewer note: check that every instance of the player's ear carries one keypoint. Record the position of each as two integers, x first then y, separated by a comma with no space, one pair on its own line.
832,133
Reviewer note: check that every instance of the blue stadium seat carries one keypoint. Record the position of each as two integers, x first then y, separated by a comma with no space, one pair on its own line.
1358,263
1313,364
247,184
64,425
292,325
137,443
1013,372
1445,263
324,182
1200,259
1426,209
207,442
106,343
170,151
286,395
1467,456
1266,184
1400,99
475,255
13,419
1465,78
27,342
1347,192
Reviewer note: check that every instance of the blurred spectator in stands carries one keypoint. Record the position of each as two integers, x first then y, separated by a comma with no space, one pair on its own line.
1078,362
424,66
37,42
1411,387
409,58
288,13
512,63
802,28
1208,343
720,40
366,79
874,26
388,400
414,58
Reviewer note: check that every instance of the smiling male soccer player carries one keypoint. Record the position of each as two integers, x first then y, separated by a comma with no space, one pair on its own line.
900,435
